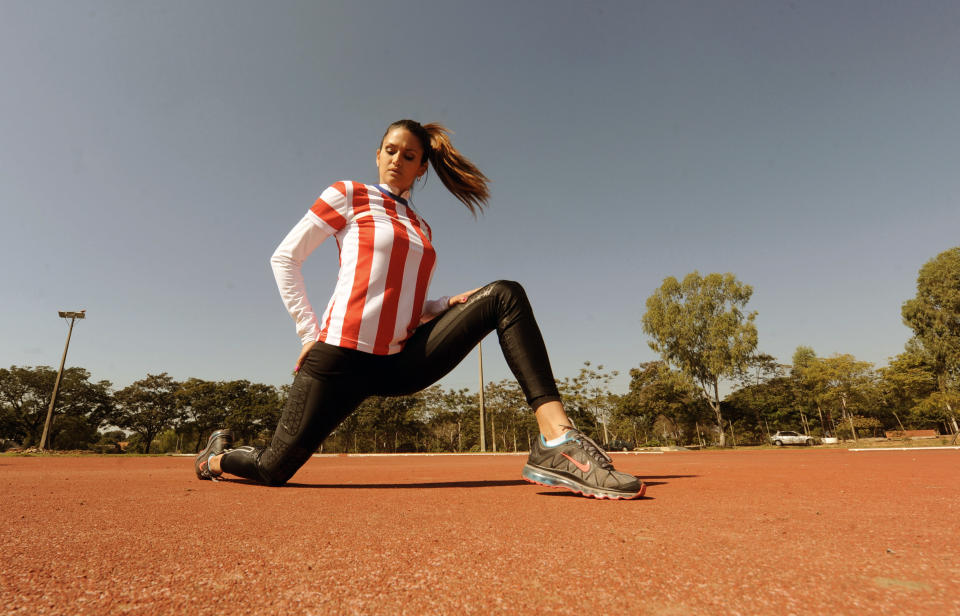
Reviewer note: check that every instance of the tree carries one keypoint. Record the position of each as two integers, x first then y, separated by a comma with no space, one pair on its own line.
509,416
699,326
657,392
147,407
771,401
758,368
451,418
204,405
82,406
844,380
391,423
443,422
805,387
934,408
589,392
765,394
907,380
252,409
934,317
803,357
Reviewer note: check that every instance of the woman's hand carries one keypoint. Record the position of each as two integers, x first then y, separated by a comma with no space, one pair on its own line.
432,310
462,298
303,355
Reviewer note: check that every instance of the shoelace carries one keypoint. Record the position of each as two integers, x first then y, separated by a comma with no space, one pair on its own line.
592,449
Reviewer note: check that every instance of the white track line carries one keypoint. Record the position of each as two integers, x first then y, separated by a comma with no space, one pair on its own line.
903,448
429,455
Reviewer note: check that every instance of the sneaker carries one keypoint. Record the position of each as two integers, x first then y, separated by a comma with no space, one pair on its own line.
219,441
580,465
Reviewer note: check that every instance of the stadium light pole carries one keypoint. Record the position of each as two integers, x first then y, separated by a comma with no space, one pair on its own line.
483,435
73,316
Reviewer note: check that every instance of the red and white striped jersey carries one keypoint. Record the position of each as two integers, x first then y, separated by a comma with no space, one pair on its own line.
386,263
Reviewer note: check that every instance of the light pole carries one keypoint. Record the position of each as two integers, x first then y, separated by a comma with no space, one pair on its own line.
483,436
73,316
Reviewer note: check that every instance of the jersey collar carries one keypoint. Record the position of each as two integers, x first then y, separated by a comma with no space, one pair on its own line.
401,198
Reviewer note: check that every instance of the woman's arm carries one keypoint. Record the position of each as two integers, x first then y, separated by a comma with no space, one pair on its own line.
286,262
432,308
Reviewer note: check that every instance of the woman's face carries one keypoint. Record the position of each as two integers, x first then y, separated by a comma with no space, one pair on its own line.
398,160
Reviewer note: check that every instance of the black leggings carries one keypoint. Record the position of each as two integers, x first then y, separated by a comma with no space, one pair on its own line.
333,381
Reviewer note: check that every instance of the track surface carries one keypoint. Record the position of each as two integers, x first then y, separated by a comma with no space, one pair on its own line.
749,532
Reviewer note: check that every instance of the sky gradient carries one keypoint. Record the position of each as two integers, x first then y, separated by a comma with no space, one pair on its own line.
154,154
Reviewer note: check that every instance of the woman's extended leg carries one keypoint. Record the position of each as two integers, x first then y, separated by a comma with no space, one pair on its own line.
324,392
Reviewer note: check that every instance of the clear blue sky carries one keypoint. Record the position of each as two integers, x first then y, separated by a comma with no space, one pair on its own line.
152,155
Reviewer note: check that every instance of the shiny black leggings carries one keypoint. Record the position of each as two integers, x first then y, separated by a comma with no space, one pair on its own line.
333,381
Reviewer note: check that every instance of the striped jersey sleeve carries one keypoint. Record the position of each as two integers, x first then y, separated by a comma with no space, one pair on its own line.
286,262
332,208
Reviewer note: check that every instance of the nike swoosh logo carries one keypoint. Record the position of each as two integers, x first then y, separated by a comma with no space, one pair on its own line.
583,467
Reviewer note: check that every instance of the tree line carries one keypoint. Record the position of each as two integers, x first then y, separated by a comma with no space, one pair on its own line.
699,326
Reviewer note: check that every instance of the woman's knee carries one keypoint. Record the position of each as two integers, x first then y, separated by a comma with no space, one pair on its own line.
508,290
278,477
245,462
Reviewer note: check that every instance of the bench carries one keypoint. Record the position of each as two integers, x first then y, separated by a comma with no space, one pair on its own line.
912,434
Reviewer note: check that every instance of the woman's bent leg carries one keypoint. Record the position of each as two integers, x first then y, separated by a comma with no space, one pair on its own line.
322,395
438,346
575,463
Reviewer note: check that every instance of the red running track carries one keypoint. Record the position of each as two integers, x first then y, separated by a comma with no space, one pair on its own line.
727,532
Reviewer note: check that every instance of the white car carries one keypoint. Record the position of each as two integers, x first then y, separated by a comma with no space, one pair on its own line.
786,437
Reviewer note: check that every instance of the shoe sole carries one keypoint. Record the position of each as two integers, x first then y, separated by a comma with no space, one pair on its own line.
547,479
200,474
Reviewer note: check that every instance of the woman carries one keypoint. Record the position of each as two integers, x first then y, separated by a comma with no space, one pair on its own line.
380,336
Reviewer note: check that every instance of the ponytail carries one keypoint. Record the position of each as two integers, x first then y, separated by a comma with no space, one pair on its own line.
458,174
461,177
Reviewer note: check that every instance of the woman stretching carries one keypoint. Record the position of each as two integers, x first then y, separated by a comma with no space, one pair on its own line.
380,336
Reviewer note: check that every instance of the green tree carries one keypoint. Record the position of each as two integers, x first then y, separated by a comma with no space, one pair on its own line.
842,380
658,393
765,395
82,406
451,418
204,405
904,382
935,408
803,357
147,407
807,391
389,423
771,401
699,326
512,425
346,436
759,367
589,393
252,409
934,317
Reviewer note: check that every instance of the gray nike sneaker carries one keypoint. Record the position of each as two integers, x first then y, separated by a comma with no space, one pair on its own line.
580,465
219,441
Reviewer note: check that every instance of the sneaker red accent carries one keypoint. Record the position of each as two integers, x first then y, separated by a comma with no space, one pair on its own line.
583,467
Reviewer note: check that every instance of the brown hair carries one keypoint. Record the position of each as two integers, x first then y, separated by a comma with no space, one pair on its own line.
461,177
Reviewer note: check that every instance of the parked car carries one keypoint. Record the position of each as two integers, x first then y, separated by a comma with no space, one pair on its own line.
618,445
786,437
